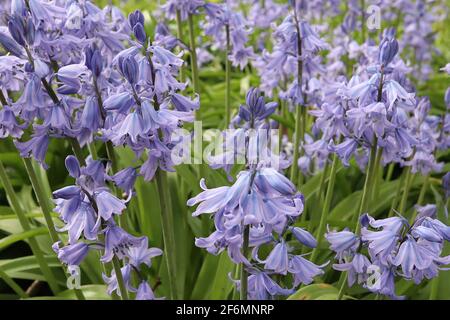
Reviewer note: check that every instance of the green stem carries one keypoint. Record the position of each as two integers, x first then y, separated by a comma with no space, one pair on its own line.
420,200
236,274
180,37
244,272
376,174
363,29
434,289
326,207
423,190
42,198
92,150
15,205
227,79
408,180
167,229
390,171
119,277
297,139
299,112
398,193
78,152
362,208
13,285
194,66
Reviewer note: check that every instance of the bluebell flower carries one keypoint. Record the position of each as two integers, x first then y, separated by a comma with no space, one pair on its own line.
112,283
262,287
141,254
125,179
381,243
278,260
144,292
304,237
388,47
36,147
9,125
117,242
303,270
412,256
108,204
72,254
185,8
10,45
356,269
344,242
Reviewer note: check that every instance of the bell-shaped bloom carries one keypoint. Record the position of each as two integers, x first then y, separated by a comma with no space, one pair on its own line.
145,292
356,269
108,204
118,242
277,260
262,287
412,256
342,242
72,254
125,179
81,221
304,270
141,253
36,147
112,283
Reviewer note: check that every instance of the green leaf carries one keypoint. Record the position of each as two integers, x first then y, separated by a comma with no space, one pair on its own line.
92,291
321,291
9,240
222,284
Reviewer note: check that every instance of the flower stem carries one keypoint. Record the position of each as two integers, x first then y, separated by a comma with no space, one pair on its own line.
167,228
398,193
227,79
326,207
362,207
194,66
423,191
434,289
300,114
76,148
41,197
390,171
408,180
180,37
119,277
297,138
244,273
376,174
15,205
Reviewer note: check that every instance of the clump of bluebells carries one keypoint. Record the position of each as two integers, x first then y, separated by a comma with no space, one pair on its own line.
227,26
90,75
88,210
258,211
102,82
392,248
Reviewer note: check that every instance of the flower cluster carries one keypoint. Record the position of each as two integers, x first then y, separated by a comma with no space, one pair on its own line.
256,212
228,28
88,210
395,249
